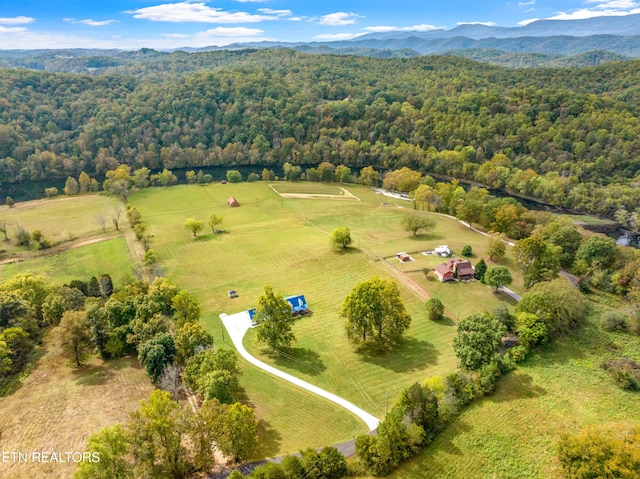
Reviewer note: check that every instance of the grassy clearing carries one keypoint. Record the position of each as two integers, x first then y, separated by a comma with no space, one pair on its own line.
109,256
60,219
463,299
285,243
514,432
58,407
589,220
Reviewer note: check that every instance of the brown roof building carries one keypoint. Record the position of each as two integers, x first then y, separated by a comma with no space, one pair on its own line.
233,202
455,268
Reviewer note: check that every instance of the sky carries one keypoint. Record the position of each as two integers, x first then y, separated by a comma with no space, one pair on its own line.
134,24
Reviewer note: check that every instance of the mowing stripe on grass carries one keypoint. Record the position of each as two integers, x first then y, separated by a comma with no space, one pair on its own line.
238,324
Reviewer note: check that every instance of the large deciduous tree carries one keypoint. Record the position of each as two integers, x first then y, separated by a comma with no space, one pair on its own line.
597,251
435,309
214,221
155,353
415,222
155,433
498,276
538,260
374,314
557,303
341,236
194,225
478,341
496,248
273,315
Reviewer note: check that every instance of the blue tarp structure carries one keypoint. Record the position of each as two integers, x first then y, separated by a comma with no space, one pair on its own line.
298,304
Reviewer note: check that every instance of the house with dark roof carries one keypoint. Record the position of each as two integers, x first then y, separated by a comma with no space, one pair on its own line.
455,269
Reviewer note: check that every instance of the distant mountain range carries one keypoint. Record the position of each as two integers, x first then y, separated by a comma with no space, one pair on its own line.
613,25
551,43
618,35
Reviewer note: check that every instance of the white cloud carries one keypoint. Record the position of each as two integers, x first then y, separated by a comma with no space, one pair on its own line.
195,12
414,28
522,23
486,24
22,38
12,29
253,1
526,4
337,36
232,32
91,22
338,19
609,8
277,13
21,20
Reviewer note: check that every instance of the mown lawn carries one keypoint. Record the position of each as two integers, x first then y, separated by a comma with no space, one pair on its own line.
110,256
514,432
285,243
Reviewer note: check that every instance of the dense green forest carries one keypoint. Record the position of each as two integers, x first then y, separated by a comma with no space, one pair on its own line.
566,136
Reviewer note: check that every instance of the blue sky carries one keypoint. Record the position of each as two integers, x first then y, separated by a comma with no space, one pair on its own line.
133,24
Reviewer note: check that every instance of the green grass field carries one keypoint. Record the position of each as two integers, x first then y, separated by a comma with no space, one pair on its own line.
285,243
514,432
110,256
59,219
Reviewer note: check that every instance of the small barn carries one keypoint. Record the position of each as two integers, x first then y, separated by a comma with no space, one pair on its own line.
404,257
232,202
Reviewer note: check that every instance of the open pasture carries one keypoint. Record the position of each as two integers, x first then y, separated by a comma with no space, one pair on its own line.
59,219
285,243
514,432
110,256
57,407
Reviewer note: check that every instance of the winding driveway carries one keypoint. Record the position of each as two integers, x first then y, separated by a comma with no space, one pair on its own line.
238,324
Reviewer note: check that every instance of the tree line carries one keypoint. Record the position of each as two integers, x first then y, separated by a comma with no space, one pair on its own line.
550,134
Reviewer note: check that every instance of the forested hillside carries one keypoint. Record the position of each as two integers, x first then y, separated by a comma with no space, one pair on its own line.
567,136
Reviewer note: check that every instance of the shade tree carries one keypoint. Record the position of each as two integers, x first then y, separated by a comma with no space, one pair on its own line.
498,276
415,222
341,237
435,309
194,226
478,341
275,321
374,315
